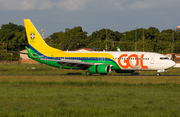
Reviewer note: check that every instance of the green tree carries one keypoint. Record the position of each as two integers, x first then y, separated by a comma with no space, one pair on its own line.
152,32
101,36
177,47
12,37
71,39
14,34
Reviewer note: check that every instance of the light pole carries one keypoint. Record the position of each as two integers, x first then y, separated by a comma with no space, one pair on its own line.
43,30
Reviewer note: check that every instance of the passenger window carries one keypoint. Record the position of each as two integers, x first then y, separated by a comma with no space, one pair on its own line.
164,58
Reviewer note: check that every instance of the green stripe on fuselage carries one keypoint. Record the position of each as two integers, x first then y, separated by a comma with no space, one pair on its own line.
108,62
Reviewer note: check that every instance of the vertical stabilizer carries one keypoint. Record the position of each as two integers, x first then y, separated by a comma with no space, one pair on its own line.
36,42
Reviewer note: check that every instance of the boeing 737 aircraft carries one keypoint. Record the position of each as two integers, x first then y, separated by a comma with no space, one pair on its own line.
101,62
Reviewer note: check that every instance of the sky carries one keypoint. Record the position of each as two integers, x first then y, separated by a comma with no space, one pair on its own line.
92,15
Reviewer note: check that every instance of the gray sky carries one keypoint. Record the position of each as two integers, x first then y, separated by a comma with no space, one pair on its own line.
92,15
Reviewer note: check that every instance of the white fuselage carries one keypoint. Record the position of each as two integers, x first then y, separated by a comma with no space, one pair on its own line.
142,61
129,60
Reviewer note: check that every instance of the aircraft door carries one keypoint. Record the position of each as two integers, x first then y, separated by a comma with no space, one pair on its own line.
101,59
152,59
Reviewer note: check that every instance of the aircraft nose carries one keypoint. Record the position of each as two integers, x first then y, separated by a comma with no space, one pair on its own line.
172,63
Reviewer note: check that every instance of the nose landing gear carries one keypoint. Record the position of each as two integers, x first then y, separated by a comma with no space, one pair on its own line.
158,74
158,71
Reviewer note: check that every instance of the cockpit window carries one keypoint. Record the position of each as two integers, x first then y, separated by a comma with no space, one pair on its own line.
164,58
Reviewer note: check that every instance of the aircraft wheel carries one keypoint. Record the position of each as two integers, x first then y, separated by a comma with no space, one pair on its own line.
88,73
158,74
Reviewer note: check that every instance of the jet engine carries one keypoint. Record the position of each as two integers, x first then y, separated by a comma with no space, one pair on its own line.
102,69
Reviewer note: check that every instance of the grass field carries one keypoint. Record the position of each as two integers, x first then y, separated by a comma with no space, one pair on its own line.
25,69
79,95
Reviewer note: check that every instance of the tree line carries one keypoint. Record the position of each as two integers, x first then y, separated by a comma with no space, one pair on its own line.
149,40
13,37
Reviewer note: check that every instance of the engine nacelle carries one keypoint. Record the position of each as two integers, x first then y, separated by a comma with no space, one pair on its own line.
102,69
124,71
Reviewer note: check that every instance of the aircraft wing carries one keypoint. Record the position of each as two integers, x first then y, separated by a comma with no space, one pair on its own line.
72,63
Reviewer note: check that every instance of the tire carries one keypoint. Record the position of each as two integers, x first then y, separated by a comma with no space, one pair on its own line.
158,74
88,73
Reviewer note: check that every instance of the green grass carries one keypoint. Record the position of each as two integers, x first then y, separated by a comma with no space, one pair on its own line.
88,99
18,68
79,95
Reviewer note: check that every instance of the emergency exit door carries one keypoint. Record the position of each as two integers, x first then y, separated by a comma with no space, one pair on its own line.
152,59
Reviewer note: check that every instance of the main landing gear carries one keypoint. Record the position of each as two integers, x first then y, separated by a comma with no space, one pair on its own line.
158,74
88,73
159,71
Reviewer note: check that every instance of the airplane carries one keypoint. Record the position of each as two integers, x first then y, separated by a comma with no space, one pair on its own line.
94,62
118,49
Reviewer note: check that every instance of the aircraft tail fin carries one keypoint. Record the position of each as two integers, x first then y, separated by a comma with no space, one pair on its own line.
36,42
118,49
